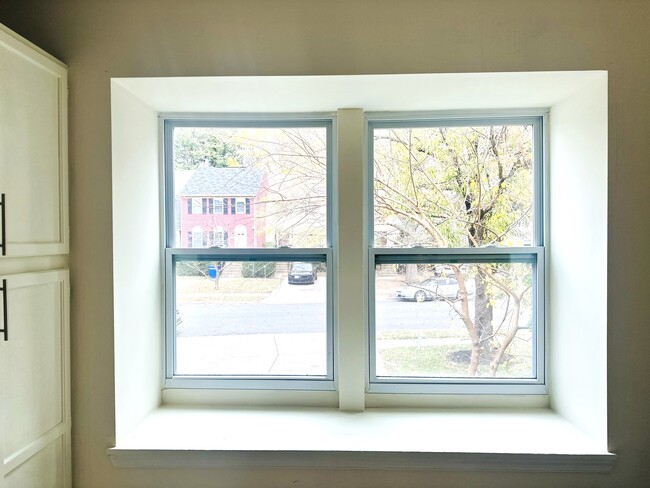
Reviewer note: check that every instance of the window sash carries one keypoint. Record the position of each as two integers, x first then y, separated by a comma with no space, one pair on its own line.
170,121
410,120
466,385
174,255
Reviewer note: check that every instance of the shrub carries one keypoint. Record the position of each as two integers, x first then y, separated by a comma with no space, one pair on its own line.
258,269
192,268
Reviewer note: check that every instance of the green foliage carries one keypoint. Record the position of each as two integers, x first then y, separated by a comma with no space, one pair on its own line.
194,146
258,269
192,268
451,187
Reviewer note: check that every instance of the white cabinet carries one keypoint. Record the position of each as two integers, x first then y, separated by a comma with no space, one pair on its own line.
33,150
34,306
35,380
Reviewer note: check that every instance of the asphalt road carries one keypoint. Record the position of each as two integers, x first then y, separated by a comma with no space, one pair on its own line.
279,318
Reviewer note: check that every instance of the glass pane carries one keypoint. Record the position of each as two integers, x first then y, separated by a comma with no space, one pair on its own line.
264,187
453,186
454,320
251,318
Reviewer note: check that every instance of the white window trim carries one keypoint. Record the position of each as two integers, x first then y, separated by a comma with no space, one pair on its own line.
578,102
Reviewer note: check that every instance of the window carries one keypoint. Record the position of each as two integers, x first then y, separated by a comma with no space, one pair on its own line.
457,264
241,206
577,343
195,238
456,281
196,206
217,206
255,310
218,237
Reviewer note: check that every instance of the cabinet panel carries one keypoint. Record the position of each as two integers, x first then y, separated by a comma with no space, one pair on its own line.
35,364
45,469
33,149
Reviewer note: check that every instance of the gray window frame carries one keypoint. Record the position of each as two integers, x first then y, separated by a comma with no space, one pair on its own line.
534,254
172,255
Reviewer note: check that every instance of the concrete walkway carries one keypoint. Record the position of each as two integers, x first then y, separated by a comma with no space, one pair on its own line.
272,354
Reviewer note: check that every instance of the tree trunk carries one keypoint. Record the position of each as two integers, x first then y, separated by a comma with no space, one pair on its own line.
483,315
512,332
411,273
472,368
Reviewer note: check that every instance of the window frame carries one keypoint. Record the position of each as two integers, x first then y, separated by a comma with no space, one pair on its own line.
172,255
538,119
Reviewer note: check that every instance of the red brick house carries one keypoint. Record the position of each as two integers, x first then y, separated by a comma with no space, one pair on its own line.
222,207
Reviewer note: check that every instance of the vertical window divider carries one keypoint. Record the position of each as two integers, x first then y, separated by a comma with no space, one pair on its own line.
351,256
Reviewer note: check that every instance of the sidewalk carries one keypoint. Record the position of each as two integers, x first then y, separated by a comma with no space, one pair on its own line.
272,354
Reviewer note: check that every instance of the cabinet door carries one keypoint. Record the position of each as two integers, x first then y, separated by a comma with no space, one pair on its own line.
33,149
35,400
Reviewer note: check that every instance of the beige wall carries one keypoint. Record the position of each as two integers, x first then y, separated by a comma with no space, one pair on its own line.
120,38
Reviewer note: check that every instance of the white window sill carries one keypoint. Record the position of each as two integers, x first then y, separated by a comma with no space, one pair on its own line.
537,440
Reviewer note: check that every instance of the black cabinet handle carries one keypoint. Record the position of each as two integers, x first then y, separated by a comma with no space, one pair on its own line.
3,240
5,321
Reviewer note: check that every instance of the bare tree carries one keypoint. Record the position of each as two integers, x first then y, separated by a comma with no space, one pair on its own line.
460,187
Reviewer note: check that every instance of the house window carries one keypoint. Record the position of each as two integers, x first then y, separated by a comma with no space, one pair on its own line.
457,265
197,206
197,236
217,207
218,237
245,324
241,206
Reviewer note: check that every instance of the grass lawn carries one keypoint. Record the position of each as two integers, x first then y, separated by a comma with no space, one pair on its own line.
451,360
201,289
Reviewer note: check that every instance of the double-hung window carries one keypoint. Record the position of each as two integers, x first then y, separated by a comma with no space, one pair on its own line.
253,308
456,259
455,255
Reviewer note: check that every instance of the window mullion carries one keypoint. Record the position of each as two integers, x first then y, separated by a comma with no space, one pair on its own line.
351,267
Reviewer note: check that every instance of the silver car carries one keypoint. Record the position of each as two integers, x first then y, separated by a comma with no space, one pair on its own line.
434,289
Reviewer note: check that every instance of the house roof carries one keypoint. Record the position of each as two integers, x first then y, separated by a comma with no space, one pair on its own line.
223,182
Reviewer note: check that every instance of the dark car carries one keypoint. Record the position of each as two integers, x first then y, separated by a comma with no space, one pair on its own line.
302,273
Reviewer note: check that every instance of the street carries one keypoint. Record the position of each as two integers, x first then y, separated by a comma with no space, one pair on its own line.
283,318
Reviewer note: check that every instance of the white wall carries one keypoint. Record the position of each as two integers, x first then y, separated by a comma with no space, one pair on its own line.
577,259
137,275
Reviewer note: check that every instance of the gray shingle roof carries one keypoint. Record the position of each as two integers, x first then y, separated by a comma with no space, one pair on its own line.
223,182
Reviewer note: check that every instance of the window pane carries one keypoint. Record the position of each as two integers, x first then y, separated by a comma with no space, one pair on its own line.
428,316
453,186
271,181
251,318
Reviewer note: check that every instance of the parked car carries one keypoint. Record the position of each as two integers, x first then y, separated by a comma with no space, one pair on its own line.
434,289
302,273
